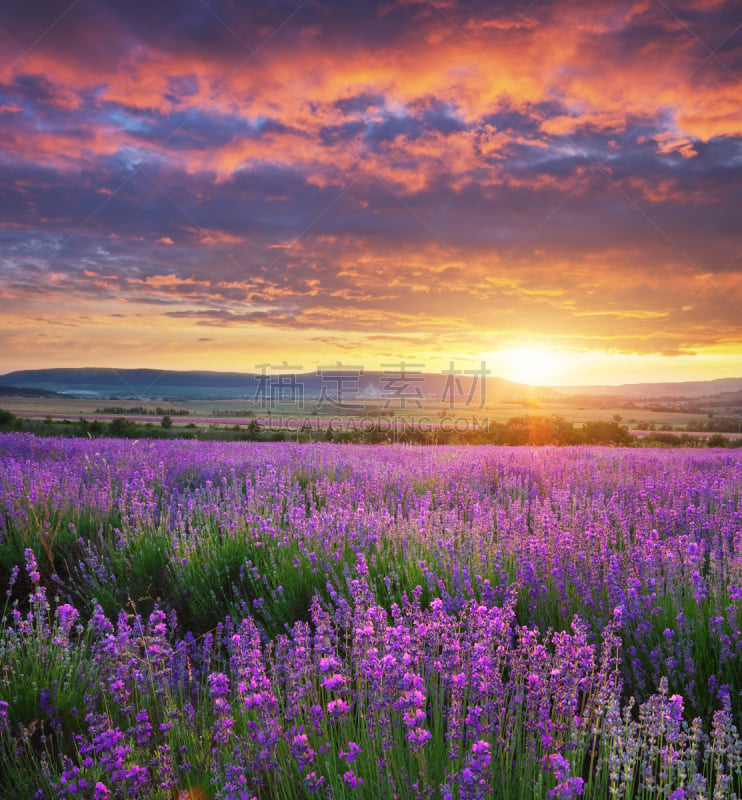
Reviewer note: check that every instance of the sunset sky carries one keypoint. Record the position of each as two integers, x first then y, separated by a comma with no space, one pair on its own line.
553,187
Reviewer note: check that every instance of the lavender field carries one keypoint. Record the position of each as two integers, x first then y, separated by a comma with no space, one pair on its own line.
233,620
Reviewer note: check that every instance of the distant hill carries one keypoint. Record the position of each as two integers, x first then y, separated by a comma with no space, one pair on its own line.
141,384
176,385
666,390
26,391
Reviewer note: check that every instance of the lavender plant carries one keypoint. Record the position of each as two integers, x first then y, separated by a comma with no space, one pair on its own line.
274,620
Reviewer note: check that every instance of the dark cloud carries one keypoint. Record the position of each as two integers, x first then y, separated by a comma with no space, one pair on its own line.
360,103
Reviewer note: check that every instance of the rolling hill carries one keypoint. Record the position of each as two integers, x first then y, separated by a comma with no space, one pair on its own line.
176,385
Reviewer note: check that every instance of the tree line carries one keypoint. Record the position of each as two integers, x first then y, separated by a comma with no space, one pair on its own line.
517,431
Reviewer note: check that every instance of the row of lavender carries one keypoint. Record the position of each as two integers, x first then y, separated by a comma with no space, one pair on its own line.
243,620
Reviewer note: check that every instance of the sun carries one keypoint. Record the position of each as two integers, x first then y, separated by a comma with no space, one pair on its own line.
532,364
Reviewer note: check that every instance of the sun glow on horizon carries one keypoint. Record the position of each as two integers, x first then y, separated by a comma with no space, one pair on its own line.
536,365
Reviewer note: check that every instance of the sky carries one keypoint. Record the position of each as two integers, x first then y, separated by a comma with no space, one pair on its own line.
554,188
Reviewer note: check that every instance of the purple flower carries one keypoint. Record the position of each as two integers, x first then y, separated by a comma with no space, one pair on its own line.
13,579
572,787
352,779
31,566
334,683
560,766
337,707
459,680
314,783
218,685
419,737
352,752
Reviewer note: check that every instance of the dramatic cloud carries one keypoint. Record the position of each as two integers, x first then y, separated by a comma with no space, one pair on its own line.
210,183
